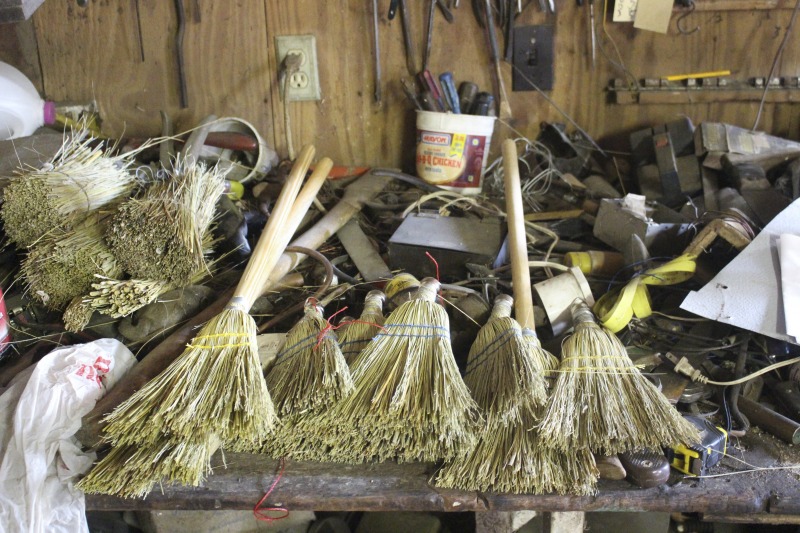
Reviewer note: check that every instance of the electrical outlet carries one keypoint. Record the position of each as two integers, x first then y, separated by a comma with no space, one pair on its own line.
303,84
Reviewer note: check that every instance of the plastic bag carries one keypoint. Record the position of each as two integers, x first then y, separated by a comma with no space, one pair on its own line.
40,412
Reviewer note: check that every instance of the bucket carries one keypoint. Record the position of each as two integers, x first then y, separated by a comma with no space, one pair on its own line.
452,149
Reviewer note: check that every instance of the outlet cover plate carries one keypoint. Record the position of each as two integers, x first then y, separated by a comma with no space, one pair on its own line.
533,57
307,46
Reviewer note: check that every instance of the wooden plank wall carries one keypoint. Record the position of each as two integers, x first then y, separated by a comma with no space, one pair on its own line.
120,52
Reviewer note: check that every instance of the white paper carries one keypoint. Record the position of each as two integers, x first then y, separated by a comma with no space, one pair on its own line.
269,344
747,292
625,10
790,282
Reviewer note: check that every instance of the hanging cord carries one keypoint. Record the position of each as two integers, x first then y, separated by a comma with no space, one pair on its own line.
775,64
290,65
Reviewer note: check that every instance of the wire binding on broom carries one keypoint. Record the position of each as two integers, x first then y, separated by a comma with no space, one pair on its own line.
602,403
410,402
359,332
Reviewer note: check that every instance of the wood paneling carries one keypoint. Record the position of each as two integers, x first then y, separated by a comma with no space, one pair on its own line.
95,52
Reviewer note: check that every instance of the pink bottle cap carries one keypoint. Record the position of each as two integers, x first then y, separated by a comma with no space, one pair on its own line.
49,113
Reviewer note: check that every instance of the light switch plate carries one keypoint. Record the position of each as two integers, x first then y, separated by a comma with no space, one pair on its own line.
533,58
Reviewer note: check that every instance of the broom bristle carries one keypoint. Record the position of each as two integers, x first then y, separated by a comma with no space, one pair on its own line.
410,402
602,403
310,372
358,333
502,371
132,471
204,391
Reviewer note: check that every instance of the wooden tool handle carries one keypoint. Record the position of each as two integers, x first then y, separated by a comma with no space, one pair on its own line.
517,242
267,249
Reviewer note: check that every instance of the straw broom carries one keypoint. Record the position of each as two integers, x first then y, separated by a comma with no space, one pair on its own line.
602,403
309,376
310,372
505,372
215,386
359,332
79,179
305,436
410,402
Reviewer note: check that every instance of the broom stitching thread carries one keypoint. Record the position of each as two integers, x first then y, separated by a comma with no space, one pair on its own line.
482,356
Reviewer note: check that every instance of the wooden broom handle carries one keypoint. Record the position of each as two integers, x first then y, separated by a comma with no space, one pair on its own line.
255,272
517,241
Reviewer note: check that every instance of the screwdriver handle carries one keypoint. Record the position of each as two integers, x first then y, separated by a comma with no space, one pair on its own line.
428,82
449,90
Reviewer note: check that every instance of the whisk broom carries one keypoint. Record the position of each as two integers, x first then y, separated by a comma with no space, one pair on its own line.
410,402
602,403
310,372
215,387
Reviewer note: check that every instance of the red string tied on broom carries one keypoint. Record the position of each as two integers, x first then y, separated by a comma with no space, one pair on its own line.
331,327
261,513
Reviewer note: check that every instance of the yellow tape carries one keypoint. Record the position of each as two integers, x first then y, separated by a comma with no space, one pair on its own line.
616,308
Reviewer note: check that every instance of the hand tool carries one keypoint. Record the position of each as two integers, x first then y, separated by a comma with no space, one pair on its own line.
645,468
592,32
179,52
505,108
448,15
377,51
428,102
429,38
449,90
427,81
484,104
466,96
508,30
392,9
696,459
411,64
411,93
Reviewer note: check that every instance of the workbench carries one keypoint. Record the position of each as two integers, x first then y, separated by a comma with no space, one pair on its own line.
758,497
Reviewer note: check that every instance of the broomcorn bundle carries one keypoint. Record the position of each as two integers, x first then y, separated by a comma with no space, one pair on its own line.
63,264
602,403
409,402
79,179
165,233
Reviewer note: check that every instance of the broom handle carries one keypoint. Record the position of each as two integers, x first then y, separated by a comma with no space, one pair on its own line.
300,207
255,273
517,241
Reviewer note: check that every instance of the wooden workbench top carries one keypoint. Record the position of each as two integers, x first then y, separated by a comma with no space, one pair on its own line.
764,496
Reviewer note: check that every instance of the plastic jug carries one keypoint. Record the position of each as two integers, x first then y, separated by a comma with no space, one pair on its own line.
22,110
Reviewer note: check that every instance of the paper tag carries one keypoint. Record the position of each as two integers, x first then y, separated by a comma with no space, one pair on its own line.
269,344
625,10
653,15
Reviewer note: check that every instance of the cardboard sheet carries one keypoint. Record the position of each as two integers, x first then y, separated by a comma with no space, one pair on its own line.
747,292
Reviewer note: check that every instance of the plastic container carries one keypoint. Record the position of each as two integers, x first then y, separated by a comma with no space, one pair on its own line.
22,110
452,149
557,294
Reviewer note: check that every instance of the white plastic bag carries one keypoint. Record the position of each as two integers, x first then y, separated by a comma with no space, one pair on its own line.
40,412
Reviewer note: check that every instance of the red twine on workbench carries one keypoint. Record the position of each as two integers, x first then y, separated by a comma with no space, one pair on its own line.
331,327
259,513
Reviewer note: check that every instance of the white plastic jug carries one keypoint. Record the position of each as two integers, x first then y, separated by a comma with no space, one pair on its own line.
22,110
